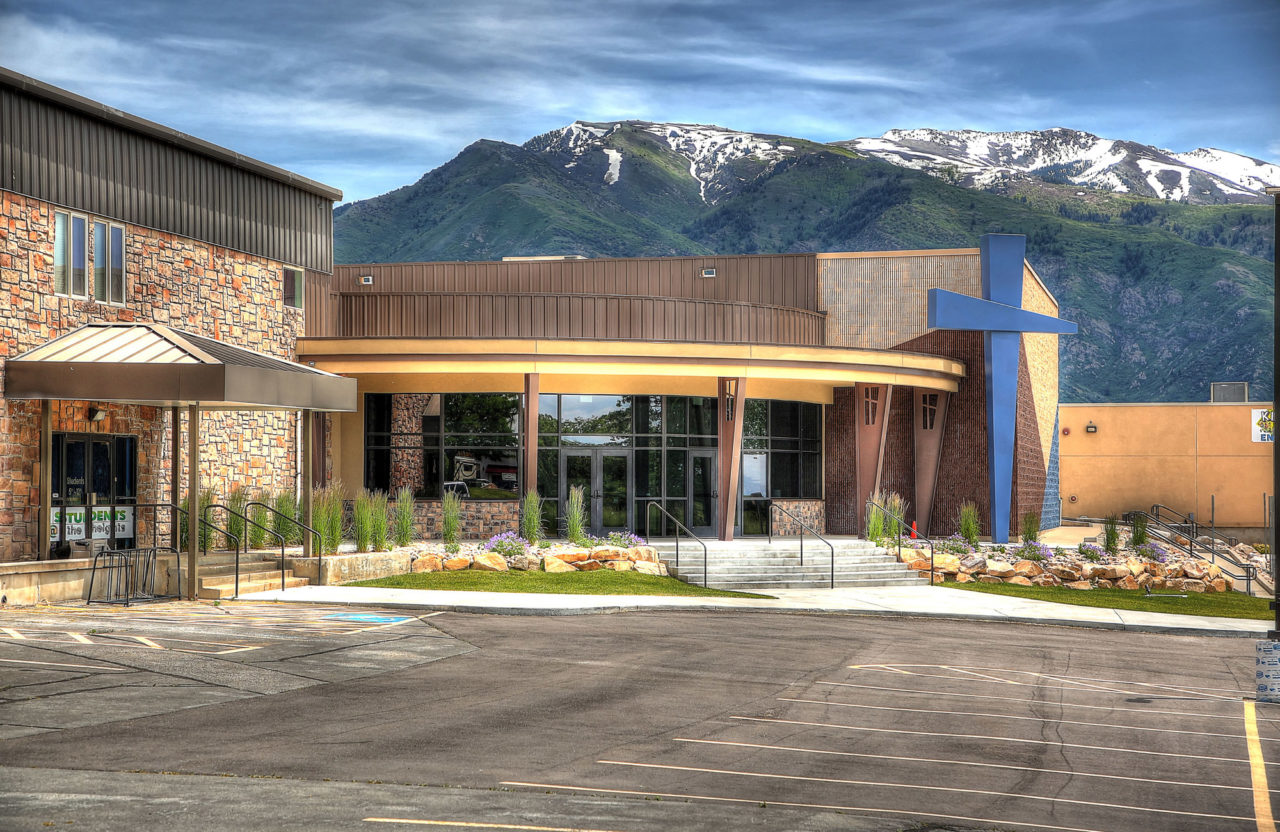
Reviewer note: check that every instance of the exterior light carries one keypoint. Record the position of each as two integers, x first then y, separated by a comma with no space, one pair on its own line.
97,414
1091,428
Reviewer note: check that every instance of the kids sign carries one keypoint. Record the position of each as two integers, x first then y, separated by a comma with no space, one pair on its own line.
101,517
1264,428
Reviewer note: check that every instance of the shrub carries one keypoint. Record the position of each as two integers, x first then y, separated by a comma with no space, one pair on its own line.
402,532
1090,552
1033,551
575,517
362,520
450,517
453,548
897,507
205,536
286,503
236,526
875,517
531,516
1111,536
381,540
970,524
955,545
1139,536
1030,527
326,516
262,517
508,544
1262,548
1150,551
623,540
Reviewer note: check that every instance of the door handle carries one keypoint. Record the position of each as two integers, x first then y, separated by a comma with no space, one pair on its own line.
715,495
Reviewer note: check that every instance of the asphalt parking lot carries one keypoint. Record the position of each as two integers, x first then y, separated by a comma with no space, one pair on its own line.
623,723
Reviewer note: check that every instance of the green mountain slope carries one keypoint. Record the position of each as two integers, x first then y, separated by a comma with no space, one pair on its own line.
1169,297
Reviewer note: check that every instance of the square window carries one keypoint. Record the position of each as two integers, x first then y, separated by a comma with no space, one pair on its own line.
108,263
293,287
70,255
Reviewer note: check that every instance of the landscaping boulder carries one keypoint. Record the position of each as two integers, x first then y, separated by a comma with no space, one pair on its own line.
1127,582
1045,580
999,568
1065,572
1103,583
973,563
428,563
552,563
1136,567
645,567
964,578
574,556
990,579
1078,585
1094,571
489,562
919,564
588,565
453,564
1196,569
619,565
1192,585
645,553
522,563
1027,569
944,562
1020,580
609,553
1216,585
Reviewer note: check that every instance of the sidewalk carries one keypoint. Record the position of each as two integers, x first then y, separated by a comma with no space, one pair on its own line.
902,601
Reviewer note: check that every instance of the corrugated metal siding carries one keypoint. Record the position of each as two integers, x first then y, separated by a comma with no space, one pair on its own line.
58,155
768,299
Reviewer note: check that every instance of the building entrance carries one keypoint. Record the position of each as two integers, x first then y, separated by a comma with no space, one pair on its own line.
604,475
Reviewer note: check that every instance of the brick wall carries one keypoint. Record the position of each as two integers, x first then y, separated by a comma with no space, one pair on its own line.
173,280
898,465
810,512
840,449
480,518
1029,457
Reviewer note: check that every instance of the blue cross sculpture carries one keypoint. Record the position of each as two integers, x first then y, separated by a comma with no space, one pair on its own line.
999,316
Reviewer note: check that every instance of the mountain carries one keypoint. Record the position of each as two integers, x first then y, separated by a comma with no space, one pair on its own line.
1204,176
1169,295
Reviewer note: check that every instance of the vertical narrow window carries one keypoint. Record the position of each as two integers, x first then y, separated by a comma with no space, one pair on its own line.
61,252
79,257
928,410
101,244
115,271
293,287
870,403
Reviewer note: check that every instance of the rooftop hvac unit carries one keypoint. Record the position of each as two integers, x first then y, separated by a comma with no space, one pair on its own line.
1229,391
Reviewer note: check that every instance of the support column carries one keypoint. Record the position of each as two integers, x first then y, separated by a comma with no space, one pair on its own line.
530,430
732,397
45,512
175,475
929,419
193,500
305,465
871,417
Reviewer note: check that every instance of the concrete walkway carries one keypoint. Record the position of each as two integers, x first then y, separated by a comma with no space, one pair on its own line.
903,601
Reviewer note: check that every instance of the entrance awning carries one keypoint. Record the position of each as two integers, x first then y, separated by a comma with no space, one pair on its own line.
152,364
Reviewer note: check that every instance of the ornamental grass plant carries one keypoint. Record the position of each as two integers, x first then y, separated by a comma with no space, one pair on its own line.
531,517
362,512
402,531
326,516
970,524
575,517
1030,527
451,519
381,537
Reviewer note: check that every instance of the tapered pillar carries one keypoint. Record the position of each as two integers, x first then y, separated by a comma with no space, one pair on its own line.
45,511
872,421
530,430
306,475
175,474
929,419
731,404
193,500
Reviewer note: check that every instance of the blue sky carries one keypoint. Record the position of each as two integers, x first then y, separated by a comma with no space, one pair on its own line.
367,96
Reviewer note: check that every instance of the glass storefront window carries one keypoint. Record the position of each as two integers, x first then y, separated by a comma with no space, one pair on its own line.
755,475
483,473
595,414
469,413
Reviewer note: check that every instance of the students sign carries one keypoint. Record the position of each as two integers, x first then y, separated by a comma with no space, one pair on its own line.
101,518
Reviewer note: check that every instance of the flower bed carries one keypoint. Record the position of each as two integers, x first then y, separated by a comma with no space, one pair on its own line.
508,551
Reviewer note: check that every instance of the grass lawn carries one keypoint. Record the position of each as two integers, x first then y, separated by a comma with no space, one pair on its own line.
1219,604
599,582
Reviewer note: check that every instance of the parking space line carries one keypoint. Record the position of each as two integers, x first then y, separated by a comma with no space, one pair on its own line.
1258,772
465,824
14,634
146,642
993,739
796,805
80,637
1024,718
922,787
1081,682
937,693
826,752
67,664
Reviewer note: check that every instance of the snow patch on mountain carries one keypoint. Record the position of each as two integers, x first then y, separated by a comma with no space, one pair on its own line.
615,166
1250,173
709,148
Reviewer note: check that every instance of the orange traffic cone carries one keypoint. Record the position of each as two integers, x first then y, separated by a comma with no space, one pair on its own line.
913,530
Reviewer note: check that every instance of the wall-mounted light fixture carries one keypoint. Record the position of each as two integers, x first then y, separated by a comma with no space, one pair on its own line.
730,396
1091,428
366,280
708,273
97,414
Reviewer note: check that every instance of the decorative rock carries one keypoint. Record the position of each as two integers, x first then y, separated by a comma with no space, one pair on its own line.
646,553
609,553
428,563
1195,569
522,563
554,564
456,563
1095,571
1136,567
990,579
964,578
1127,582
575,556
1173,570
1045,580
1215,571
1145,579
489,562
1192,585
1065,572
620,565
1216,585
1157,569
1027,569
1019,580
999,568
1078,585
973,563
588,565
944,562
645,567
919,564
1173,583
1103,583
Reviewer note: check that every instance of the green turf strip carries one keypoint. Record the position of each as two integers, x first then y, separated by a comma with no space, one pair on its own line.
599,582
1219,604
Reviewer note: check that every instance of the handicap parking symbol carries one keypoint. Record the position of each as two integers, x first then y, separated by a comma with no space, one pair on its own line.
367,617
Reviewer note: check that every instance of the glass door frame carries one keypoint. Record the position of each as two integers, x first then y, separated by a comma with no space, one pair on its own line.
595,492
713,455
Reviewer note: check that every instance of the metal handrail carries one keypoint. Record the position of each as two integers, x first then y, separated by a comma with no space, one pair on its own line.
803,529
1167,530
706,563
1196,529
279,537
317,540
175,548
902,524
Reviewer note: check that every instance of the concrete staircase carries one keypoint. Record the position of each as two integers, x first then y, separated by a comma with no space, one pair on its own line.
259,572
756,564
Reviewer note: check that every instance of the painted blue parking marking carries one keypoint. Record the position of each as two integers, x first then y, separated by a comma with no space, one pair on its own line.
367,618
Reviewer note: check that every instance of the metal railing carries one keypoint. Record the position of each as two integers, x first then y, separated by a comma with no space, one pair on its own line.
706,564
1168,534
901,524
235,513
803,528
317,542
1194,528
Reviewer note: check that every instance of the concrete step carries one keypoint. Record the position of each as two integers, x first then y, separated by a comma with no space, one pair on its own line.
907,580
246,576
824,562
214,593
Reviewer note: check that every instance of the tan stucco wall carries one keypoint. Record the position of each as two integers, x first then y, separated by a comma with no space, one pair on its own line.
1179,455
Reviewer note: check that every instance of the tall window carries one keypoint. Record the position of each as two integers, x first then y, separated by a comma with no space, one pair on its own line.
293,287
108,263
928,410
870,404
70,255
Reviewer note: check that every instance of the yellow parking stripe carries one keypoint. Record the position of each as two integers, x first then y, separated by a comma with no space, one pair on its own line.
1258,770
464,824
12,633
80,637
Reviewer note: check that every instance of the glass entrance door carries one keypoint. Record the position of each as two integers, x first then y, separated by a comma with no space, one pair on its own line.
604,475
703,493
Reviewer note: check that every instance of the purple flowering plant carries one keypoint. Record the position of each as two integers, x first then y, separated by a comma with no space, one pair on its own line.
1033,550
508,544
1150,551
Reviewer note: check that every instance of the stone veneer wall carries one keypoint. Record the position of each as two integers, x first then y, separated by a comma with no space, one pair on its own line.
811,512
843,515
172,280
480,518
